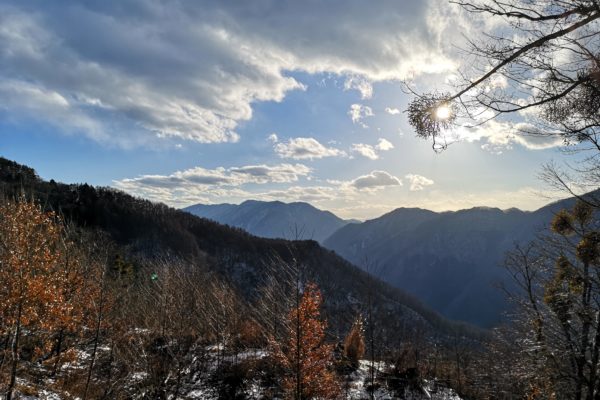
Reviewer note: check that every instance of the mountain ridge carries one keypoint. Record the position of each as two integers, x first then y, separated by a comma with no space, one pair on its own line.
451,259
273,219
141,227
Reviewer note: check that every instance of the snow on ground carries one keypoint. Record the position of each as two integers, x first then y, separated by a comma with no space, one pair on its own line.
354,385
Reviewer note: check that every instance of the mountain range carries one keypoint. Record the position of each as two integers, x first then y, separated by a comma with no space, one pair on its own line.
452,261
142,229
274,219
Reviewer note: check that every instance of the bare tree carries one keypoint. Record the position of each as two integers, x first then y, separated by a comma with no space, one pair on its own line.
542,59
558,279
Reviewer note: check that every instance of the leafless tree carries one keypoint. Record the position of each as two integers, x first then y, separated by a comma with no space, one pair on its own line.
541,59
558,284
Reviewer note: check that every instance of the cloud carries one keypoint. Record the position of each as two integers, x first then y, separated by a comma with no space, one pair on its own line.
282,173
193,71
368,151
233,176
500,135
273,138
375,180
48,106
418,182
305,148
275,182
365,150
301,193
392,111
384,145
358,112
361,84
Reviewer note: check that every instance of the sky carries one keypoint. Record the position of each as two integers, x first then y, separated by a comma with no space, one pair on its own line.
188,102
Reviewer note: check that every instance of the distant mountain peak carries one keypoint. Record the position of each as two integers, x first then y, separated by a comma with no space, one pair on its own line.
273,219
449,259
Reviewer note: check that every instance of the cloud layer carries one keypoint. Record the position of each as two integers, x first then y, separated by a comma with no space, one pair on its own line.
262,182
192,71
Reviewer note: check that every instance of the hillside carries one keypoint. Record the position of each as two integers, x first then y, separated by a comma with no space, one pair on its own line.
148,229
273,219
450,260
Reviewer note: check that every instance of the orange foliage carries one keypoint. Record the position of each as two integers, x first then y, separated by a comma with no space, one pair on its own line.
306,359
354,344
43,287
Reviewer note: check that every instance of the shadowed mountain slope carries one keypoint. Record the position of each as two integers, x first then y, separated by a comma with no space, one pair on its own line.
273,219
450,260
149,229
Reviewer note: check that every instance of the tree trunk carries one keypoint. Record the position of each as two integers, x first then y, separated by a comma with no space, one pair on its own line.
108,383
594,362
15,353
58,351
96,339
298,344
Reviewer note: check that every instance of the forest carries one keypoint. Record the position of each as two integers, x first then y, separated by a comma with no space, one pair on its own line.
164,320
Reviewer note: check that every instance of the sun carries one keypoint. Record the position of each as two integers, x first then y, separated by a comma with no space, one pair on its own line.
443,112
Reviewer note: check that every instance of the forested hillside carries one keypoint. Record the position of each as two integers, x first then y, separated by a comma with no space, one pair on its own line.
453,261
142,274
149,230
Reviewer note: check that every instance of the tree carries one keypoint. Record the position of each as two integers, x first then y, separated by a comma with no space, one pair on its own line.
354,344
543,57
99,302
38,278
305,357
559,299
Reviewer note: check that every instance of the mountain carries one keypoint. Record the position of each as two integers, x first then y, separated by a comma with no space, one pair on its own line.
450,260
273,219
145,229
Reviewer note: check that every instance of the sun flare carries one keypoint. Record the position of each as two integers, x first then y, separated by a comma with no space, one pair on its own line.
443,112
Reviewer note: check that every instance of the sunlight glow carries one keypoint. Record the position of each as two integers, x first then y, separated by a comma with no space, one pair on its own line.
443,112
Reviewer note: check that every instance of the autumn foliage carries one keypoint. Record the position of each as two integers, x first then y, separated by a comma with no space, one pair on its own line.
43,296
305,357
354,344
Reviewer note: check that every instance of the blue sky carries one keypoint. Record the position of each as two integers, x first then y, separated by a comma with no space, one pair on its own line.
183,102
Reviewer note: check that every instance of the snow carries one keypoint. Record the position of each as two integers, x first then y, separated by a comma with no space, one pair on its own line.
354,385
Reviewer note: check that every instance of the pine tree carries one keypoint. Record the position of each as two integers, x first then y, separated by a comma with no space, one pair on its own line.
305,357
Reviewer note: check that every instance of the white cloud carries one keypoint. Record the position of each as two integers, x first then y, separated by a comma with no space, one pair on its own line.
375,180
273,138
305,148
392,111
193,71
384,145
40,104
233,176
358,112
418,182
368,151
499,135
361,84
365,150
301,193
